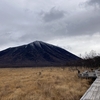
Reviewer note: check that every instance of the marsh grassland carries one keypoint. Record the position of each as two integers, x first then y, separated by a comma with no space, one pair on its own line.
41,84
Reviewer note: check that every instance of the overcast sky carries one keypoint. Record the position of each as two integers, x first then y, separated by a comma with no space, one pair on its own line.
71,24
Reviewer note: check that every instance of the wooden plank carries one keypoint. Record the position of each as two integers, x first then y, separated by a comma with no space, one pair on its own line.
93,93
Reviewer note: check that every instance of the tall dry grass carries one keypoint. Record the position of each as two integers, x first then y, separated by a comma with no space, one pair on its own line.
41,84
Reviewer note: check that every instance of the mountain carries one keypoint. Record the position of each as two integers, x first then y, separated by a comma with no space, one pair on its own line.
34,54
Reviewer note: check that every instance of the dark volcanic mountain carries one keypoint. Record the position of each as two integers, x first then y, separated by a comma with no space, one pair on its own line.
35,54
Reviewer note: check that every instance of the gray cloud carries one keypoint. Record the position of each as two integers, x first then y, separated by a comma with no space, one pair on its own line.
84,23
94,2
77,24
53,15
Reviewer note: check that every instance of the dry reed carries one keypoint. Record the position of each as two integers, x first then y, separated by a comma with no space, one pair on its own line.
41,84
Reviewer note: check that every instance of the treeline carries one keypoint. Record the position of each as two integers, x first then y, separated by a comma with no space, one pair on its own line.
91,59
92,62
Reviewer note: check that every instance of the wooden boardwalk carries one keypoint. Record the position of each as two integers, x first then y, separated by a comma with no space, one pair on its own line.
93,93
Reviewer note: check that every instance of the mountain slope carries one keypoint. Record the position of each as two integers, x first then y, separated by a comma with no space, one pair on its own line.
36,54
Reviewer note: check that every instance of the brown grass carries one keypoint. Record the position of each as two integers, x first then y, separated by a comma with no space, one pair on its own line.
41,84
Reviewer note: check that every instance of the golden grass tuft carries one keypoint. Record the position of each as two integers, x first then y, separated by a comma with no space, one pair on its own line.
41,84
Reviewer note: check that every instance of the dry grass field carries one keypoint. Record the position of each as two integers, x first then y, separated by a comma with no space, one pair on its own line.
41,84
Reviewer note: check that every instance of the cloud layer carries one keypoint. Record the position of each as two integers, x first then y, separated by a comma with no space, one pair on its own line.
24,21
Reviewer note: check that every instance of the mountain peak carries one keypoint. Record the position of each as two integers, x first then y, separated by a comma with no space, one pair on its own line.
37,43
36,53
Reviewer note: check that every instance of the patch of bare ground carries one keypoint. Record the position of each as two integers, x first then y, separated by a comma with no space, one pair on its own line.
41,84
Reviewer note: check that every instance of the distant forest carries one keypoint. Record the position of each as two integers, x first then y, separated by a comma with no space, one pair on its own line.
91,59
